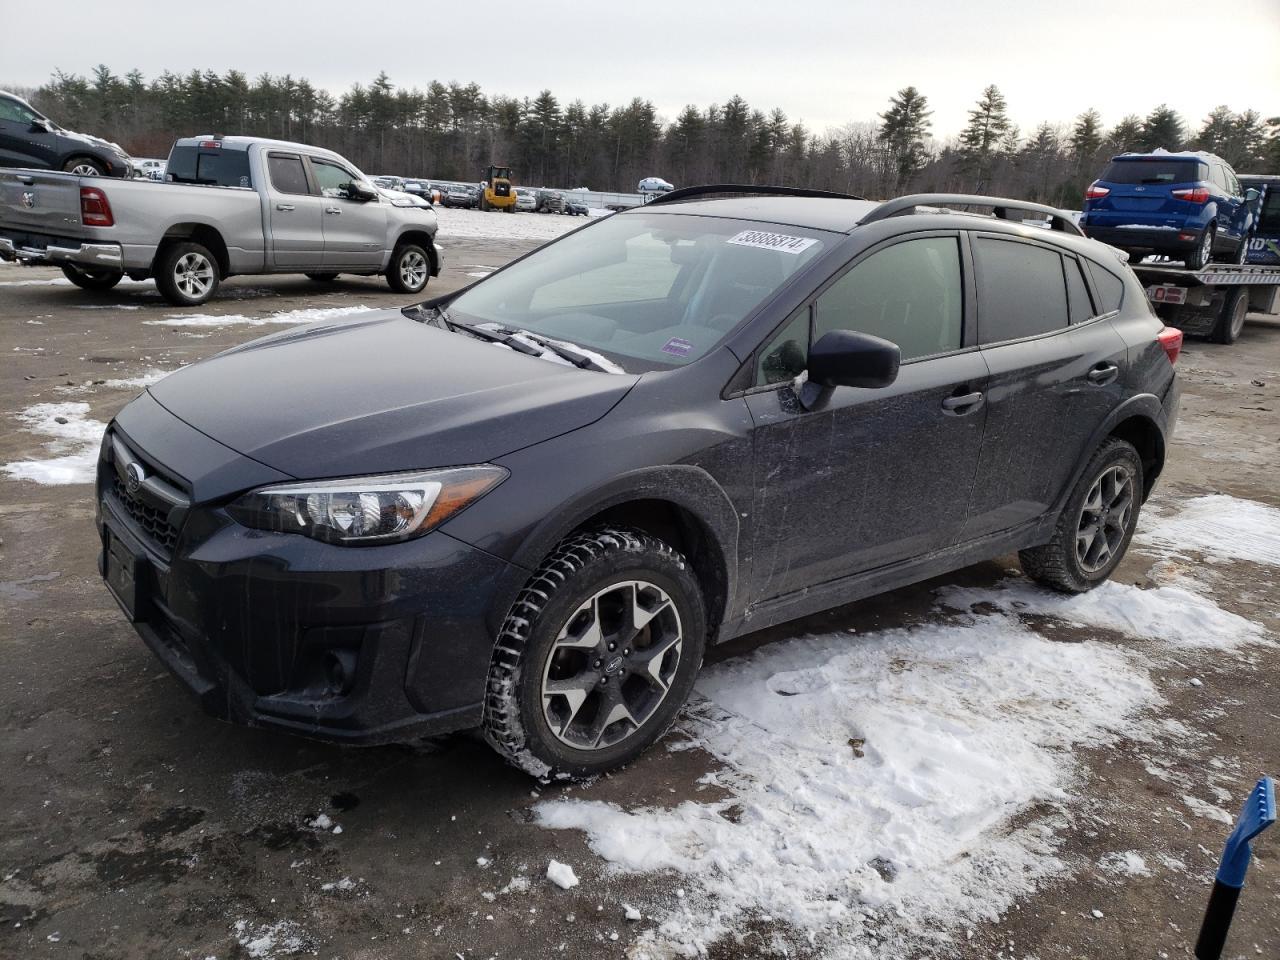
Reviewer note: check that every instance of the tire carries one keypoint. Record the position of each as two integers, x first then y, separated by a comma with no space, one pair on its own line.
322,277
1231,320
409,269
584,585
89,278
85,167
1202,255
1242,251
187,274
1090,510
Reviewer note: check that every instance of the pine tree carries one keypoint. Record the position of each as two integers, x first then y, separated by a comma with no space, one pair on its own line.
1126,135
1086,138
902,133
988,123
1164,129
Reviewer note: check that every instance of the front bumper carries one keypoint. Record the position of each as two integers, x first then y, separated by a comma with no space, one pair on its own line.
351,644
100,255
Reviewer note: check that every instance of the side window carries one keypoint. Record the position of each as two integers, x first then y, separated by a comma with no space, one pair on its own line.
1020,289
287,174
909,293
1110,287
14,111
334,181
785,356
1233,182
1077,292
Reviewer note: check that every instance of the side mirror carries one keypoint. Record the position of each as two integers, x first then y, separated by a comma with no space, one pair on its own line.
39,126
357,190
1251,195
846,358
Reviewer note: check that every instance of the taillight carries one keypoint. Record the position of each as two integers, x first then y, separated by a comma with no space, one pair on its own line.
1170,339
1095,192
95,211
1193,194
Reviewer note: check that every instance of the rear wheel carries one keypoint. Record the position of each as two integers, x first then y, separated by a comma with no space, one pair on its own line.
1095,527
409,269
597,655
1202,255
1242,251
85,167
1231,320
322,277
187,274
91,278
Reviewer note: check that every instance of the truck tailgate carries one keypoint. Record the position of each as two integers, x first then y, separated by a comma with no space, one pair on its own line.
40,201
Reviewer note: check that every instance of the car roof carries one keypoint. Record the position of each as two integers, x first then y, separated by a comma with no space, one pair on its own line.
815,213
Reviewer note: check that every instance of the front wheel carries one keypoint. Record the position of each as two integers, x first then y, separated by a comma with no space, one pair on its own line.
85,167
596,656
1202,255
1095,527
409,269
187,274
90,278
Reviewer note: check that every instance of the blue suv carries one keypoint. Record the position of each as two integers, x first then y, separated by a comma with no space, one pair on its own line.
1188,206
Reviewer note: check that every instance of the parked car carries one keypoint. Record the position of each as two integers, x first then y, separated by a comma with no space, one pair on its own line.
542,540
526,199
461,195
1264,238
389,182
1188,206
576,208
148,169
238,205
549,201
654,185
30,139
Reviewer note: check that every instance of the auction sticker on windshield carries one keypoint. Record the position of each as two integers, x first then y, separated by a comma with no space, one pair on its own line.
772,241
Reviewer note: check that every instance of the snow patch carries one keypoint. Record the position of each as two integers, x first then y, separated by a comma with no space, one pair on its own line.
267,941
1129,864
874,781
458,223
1220,526
76,439
304,315
561,874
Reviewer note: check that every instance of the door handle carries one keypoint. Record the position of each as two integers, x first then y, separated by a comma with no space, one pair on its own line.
332,209
1103,374
284,206
965,403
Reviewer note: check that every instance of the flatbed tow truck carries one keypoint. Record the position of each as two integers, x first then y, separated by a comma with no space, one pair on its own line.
1212,301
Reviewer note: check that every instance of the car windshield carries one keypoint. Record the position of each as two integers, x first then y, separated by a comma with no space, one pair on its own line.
1154,171
649,291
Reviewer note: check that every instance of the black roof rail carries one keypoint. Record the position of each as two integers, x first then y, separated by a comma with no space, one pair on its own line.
1058,219
711,189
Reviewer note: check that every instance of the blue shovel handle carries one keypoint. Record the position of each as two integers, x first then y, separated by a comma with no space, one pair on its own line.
1259,813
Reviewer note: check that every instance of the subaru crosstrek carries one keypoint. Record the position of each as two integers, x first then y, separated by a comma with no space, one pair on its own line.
530,506
1187,206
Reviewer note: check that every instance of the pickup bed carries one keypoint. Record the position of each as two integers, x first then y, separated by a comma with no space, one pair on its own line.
234,205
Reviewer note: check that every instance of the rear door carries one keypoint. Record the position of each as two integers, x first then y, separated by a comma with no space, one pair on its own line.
1056,365
297,214
876,475
1238,221
355,231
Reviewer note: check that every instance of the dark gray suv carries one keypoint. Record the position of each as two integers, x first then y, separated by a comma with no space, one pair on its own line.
30,139
529,506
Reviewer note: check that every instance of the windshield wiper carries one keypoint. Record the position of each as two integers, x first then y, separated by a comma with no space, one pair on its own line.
577,358
511,337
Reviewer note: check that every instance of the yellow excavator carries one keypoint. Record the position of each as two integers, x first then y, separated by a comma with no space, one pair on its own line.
498,194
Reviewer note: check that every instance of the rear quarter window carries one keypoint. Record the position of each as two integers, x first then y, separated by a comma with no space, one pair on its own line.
1021,289
1110,288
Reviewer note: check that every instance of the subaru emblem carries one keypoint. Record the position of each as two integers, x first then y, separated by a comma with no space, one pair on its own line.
134,475
28,198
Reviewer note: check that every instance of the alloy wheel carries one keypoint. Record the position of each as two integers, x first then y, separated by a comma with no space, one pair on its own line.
413,269
612,665
1104,518
1239,311
85,170
1206,246
193,274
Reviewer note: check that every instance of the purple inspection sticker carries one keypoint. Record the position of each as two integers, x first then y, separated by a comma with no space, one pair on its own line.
678,347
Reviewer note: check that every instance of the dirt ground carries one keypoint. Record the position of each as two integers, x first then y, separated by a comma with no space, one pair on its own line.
133,826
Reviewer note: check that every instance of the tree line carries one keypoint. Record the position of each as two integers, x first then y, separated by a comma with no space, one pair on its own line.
453,131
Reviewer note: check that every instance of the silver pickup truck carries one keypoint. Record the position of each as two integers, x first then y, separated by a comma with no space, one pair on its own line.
233,205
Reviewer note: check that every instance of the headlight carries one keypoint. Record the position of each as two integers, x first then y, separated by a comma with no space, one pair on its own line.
367,510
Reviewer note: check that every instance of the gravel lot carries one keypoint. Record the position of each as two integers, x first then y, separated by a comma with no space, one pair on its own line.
965,768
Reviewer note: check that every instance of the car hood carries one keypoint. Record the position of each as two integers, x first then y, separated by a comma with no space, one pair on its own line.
381,393
91,140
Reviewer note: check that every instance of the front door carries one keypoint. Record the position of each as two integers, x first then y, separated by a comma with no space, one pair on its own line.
24,142
355,231
875,476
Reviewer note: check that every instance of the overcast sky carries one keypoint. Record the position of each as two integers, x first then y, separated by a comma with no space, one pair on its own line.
825,63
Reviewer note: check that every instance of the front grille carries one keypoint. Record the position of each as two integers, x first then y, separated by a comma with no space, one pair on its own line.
154,523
